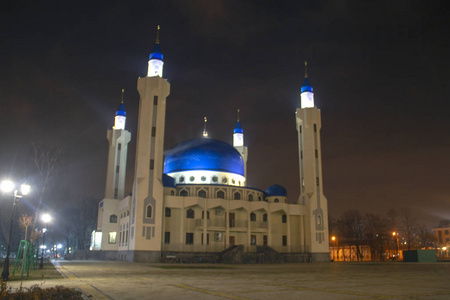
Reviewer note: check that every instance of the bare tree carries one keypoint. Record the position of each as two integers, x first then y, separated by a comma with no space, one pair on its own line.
376,227
409,224
351,227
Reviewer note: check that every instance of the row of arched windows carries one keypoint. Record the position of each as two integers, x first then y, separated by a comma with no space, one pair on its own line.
221,195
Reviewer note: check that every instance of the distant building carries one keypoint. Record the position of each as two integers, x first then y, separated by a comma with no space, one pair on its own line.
193,200
443,239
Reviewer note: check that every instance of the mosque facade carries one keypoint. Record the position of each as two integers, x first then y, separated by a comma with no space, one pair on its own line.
192,201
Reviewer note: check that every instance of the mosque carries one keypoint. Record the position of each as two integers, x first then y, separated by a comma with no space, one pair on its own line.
192,203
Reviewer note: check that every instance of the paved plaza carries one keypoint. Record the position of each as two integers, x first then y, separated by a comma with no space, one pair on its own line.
121,280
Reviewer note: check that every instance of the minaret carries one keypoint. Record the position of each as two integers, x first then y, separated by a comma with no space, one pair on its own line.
118,139
311,191
147,199
238,143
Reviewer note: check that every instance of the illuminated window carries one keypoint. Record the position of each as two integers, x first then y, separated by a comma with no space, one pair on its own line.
221,194
202,194
237,196
112,237
149,211
284,219
189,238
168,212
253,240
190,213
252,217
112,219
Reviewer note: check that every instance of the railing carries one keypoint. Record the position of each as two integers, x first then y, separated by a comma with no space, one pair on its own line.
238,224
255,225
212,247
210,223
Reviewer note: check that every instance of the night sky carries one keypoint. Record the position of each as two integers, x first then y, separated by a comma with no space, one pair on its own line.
379,69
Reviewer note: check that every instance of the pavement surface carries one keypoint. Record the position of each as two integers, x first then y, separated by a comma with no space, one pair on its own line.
121,280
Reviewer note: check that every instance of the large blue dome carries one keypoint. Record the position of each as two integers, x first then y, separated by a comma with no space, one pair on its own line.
276,190
204,154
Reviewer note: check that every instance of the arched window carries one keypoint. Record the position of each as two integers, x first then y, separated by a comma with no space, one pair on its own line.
259,198
172,193
112,219
252,217
276,200
237,196
202,194
284,218
190,213
168,212
250,197
149,211
221,194
184,193
264,217
319,220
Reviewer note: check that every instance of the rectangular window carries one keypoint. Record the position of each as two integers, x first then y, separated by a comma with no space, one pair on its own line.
152,164
207,239
284,240
253,240
301,154
217,236
116,192
155,100
446,231
317,153
265,240
189,238
315,128
112,237
153,131
119,146
300,129
168,212
166,237
317,181
117,169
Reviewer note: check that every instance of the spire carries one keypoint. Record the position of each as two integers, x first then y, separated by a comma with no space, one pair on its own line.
157,34
205,133
238,128
306,70
121,109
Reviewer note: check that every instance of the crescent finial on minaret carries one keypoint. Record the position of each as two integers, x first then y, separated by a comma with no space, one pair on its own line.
121,98
157,34
306,70
205,133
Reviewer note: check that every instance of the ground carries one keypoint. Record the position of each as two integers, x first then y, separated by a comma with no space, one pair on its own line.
121,280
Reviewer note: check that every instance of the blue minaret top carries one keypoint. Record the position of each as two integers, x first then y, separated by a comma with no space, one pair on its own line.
156,52
306,87
121,109
238,128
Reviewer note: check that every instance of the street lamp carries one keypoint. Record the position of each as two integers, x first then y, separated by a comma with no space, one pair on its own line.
395,235
334,239
45,218
7,186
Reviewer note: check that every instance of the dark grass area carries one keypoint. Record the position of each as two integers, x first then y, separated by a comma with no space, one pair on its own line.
48,272
173,267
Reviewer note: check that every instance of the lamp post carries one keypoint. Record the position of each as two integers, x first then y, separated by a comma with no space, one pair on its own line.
45,218
395,235
7,186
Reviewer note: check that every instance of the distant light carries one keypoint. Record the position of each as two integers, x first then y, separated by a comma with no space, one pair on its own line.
333,238
46,218
59,246
444,248
25,189
7,186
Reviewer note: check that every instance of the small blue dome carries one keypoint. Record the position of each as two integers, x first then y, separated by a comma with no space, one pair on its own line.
121,110
306,87
156,53
276,190
168,181
238,128
205,154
